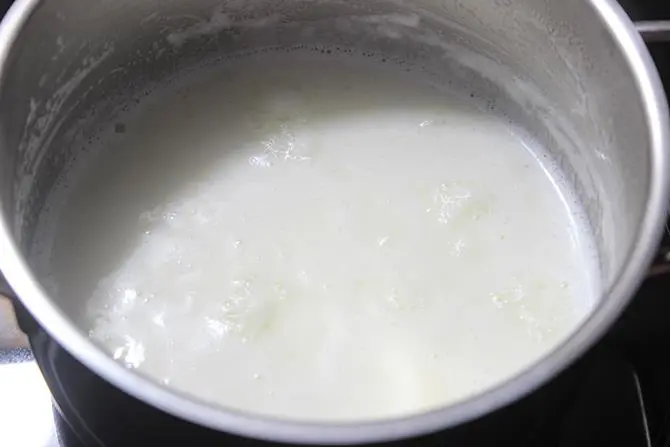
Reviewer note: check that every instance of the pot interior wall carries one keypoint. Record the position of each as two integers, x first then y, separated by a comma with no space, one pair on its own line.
549,66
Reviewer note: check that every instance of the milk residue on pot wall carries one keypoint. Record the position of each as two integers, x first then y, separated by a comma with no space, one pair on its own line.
45,119
219,21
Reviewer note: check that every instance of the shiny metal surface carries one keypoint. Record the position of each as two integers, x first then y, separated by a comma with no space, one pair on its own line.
574,73
654,30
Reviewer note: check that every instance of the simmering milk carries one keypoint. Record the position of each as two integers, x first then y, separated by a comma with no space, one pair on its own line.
321,238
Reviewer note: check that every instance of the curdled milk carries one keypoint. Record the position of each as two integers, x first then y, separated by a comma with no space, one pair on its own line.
321,238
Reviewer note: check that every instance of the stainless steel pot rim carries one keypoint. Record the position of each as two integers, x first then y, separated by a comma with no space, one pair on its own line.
180,405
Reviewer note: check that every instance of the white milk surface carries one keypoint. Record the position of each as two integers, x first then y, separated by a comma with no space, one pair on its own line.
321,238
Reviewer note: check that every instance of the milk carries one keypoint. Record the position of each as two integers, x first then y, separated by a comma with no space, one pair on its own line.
322,238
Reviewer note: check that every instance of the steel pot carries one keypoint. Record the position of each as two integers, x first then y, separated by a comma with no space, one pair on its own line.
574,73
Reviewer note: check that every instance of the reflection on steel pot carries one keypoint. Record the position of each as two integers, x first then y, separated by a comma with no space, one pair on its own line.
575,74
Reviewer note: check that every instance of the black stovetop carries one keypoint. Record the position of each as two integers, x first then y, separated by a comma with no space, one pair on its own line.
625,396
